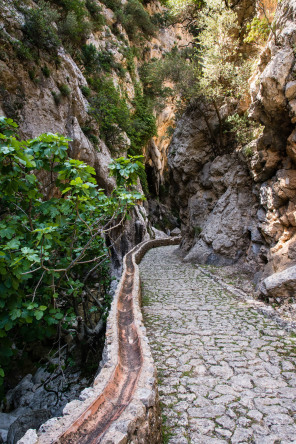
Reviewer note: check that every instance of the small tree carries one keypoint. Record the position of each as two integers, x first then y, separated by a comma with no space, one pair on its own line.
51,246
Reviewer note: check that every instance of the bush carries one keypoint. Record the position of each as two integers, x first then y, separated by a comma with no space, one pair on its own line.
110,110
244,129
135,18
76,6
95,12
89,56
74,30
115,5
85,91
45,71
37,30
143,123
56,97
258,30
49,246
95,61
22,51
65,90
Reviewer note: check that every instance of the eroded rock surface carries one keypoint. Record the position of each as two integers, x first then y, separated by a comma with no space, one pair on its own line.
226,373
237,207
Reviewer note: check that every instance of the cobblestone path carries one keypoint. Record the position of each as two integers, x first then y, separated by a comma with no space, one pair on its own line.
226,373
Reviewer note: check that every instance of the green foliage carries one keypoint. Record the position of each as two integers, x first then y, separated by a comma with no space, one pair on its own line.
65,90
197,231
74,30
181,68
95,12
248,151
126,170
135,18
143,123
37,30
114,117
110,110
22,51
95,61
163,19
258,30
49,245
75,19
115,5
86,91
244,129
57,97
45,71
130,54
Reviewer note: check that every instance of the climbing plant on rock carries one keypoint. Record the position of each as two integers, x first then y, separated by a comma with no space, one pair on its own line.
53,223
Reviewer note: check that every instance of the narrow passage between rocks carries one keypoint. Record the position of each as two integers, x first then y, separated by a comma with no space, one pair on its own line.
226,373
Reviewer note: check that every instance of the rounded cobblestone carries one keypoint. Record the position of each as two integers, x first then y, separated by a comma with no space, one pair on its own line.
226,373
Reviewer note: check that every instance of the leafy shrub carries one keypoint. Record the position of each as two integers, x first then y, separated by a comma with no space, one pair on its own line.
110,110
45,71
93,139
89,55
258,30
129,54
95,61
37,30
115,5
74,30
163,19
32,74
135,18
65,90
76,6
248,151
51,245
95,12
143,123
244,129
22,51
56,97
86,91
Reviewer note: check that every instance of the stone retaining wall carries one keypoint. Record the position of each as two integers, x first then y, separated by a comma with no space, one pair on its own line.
122,405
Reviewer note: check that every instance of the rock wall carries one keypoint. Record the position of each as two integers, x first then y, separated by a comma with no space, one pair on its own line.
273,164
27,94
217,208
236,208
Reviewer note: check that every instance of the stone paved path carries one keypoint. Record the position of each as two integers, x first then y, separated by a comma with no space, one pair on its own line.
226,373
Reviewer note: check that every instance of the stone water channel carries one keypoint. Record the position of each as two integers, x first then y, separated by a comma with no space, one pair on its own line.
226,373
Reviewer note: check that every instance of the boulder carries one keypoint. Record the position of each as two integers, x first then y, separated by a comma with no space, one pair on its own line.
280,285
31,420
176,232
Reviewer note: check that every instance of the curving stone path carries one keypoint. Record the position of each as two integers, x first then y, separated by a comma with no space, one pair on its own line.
226,373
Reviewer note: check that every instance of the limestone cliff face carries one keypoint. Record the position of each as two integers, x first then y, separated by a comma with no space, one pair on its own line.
28,93
214,193
273,165
235,208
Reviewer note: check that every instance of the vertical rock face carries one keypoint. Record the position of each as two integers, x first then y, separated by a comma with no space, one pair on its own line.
217,206
273,165
242,209
32,96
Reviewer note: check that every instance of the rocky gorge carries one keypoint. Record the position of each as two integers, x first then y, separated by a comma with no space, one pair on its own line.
233,202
